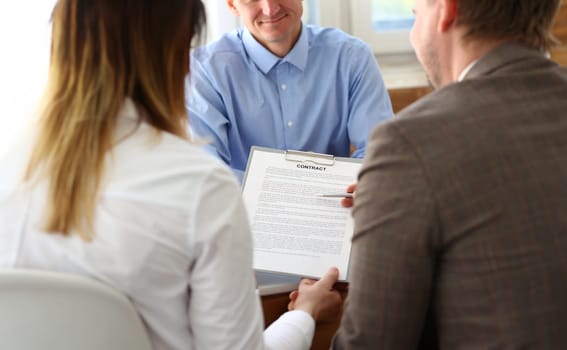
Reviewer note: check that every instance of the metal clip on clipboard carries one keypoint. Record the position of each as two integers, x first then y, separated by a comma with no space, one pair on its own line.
317,158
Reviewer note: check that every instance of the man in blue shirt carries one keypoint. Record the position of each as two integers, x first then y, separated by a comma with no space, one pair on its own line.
281,84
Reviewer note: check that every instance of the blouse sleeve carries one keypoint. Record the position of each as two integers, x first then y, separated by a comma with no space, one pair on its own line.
224,309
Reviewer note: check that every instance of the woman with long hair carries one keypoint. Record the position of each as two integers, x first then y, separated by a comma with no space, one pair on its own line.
113,188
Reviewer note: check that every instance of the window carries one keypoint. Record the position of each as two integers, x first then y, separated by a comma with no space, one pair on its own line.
391,15
383,24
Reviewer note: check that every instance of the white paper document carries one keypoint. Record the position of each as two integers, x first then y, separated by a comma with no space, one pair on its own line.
296,230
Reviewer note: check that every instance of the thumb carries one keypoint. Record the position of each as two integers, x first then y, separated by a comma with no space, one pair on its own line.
329,279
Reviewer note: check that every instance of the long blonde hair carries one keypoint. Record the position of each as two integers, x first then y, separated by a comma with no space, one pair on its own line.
103,51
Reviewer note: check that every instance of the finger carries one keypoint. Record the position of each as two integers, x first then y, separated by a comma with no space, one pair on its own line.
307,282
351,188
330,278
347,202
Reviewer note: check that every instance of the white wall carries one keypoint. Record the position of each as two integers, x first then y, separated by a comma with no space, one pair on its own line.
219,19
24,59
24,38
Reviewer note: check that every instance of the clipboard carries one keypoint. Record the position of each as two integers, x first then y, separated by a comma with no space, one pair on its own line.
295,229
299,156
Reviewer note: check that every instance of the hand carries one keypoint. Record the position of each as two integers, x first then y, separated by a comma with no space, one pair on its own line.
349,202
318,298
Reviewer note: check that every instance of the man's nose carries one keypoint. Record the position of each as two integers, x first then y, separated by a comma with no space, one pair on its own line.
270,7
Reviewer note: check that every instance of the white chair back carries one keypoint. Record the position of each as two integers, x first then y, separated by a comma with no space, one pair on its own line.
51,310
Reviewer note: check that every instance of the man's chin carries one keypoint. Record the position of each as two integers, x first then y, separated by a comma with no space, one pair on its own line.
274,36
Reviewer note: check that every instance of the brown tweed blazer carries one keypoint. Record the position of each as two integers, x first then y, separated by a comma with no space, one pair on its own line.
461,216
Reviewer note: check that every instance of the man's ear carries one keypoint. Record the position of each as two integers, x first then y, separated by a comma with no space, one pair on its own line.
448,14
232,8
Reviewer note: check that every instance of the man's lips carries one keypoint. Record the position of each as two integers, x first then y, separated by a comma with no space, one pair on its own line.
273,19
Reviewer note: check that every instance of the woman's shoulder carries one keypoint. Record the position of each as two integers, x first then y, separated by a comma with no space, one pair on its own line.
166,167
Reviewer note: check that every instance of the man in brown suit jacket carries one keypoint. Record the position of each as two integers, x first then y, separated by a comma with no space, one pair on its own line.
461,206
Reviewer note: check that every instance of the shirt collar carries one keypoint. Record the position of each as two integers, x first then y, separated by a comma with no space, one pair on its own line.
265,60
466,70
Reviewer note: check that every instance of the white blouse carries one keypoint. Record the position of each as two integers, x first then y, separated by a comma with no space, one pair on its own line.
171,232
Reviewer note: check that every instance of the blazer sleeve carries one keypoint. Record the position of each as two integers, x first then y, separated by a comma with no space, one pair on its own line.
394,249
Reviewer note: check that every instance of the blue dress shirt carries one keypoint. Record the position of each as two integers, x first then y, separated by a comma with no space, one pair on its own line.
324,95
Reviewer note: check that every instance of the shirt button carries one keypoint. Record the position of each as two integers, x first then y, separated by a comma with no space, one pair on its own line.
289,123
284,86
